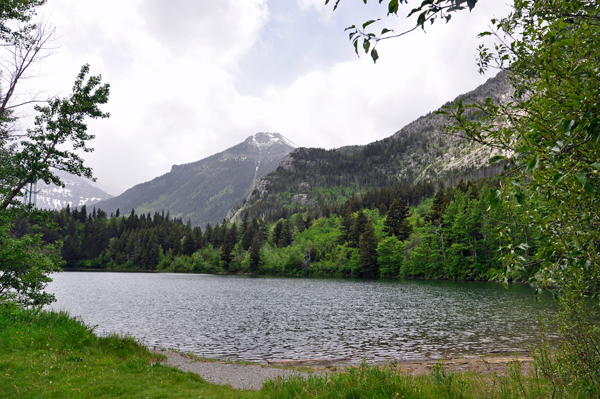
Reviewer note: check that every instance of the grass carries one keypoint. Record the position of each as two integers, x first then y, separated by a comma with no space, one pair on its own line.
387,383
52,355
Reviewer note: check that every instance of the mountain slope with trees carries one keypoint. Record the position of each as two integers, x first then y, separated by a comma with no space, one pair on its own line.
421,151
205,190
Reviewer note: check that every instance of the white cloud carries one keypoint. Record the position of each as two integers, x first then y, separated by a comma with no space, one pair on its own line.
175,70
221,30
325,12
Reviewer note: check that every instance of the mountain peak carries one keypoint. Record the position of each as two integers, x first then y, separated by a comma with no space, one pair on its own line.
267,140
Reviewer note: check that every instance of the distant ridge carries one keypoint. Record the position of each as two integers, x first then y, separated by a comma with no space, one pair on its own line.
203,191
77,192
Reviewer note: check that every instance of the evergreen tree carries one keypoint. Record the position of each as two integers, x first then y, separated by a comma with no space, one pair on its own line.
277,233
367,255
438,207
287,233
396,222
358,229
199,238
255,252
152,253
208,234
245,222
248,235
346,227
83,214
226,249
234,232
189,242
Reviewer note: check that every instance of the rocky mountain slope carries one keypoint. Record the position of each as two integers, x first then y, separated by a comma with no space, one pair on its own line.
78,191
205,190
420,151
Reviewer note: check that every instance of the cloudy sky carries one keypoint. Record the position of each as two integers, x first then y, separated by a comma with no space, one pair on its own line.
190,78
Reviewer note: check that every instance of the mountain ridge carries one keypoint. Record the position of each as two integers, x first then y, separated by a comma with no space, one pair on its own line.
203,191
78,191
420,151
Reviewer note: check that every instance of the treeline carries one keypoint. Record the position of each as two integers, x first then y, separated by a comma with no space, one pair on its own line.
389,232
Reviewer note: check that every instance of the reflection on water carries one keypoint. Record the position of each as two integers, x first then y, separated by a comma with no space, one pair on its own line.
259,319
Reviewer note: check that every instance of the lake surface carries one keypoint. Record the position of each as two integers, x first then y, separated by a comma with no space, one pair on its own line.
262,319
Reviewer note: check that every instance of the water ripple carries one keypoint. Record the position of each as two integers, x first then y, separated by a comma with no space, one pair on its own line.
262,319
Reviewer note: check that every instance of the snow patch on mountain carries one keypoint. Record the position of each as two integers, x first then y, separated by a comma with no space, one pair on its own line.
77,192
268,140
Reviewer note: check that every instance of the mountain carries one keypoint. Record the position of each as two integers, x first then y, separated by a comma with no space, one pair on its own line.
420,151
78,191
205,190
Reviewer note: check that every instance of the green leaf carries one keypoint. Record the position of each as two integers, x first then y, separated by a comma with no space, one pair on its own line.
589,189
393,7
520,197
581,177
374,55
471,4
557,179
421,19
366,45
533,164
568,125
495,198
496,158
372,21
596,165
386,30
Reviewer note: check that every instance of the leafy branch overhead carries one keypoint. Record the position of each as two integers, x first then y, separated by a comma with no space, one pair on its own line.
60,122
427,12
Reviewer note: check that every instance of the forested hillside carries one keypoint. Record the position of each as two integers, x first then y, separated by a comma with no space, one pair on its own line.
449,236
421,151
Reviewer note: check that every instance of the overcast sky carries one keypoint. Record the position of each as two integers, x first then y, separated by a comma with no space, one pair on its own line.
190,78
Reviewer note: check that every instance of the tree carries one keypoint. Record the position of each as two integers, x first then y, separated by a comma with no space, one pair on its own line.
358,229
346,227
24,262
24,267
227,248
367,253
549,137
277,232
396,222
59,123
255,252
390,252
549,134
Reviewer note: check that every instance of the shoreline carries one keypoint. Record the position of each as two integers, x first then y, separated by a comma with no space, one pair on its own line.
247,375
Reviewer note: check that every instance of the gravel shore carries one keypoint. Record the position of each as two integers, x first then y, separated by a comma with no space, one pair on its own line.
237,375
242,376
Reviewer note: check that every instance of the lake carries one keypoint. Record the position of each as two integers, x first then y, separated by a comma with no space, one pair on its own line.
265,318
